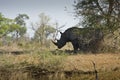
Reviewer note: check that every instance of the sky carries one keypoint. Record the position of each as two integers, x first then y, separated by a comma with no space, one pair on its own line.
55,9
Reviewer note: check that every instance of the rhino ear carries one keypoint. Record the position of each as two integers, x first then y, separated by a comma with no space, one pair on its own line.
61,33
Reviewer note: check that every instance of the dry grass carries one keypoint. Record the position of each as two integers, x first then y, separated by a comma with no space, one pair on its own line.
107,64
104,62
44,59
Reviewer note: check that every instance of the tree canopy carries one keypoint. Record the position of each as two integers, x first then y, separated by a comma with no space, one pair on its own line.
20,19
99,13
15,27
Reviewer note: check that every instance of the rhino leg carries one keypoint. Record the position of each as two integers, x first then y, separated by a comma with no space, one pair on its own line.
75,46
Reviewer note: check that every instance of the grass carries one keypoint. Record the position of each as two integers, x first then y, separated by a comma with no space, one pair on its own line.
104,62
59,66
41,59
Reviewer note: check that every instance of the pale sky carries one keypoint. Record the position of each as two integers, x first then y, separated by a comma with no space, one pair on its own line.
55,9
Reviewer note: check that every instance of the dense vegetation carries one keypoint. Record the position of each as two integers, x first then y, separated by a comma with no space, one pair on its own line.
102,14
99,13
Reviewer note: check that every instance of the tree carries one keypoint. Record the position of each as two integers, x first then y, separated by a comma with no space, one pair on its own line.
4,25
99,13
12,28
20,20
1,18
43,29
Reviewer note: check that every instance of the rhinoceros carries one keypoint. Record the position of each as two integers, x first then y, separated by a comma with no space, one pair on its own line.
81,38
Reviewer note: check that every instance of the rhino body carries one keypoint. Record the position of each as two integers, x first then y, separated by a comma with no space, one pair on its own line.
83,39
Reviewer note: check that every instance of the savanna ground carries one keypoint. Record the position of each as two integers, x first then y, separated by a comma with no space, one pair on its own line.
50,64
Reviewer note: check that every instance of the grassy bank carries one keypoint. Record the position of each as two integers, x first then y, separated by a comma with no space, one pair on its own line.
45,65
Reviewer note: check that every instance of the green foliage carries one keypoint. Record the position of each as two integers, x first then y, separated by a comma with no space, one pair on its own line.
99,14
1,18
4,25
13,27
22,31
3,29
20,19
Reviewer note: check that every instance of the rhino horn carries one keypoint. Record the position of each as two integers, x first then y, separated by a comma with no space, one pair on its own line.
54,42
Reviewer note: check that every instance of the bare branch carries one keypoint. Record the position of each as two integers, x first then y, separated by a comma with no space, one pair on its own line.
96,75
111,4
99,7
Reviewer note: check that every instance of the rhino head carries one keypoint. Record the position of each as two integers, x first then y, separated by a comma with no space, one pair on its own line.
61,42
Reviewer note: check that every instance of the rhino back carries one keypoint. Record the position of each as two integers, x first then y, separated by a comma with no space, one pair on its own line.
72,33
81,33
